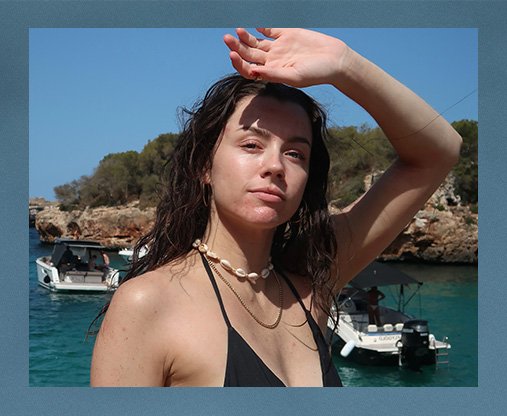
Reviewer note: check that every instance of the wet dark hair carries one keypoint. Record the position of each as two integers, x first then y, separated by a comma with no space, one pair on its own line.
305,245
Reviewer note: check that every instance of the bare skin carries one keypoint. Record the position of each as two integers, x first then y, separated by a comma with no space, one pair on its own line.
155,335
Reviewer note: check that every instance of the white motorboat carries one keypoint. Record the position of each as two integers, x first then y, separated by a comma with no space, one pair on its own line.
76,265
128,253
398,338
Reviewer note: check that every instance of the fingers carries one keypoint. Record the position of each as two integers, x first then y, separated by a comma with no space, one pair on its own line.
252,41
270,32
245,50
244,68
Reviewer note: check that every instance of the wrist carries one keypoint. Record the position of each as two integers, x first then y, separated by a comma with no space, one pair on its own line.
346,68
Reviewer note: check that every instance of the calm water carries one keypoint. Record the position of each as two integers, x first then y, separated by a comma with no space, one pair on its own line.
60,356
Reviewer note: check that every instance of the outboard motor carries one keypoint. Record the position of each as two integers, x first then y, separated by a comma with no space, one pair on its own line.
414,344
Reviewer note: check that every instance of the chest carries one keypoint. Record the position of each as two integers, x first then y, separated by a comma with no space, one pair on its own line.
207,345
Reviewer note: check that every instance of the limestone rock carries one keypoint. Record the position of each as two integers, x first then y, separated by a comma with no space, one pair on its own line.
449,236
36,205
114,227
444,230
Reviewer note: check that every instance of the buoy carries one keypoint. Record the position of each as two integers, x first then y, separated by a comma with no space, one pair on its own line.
347,348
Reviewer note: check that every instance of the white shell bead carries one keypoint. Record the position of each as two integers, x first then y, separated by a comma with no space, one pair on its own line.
225,264
203,248
240,273
196,243
270,266
265,273
212,255
252,281
253,276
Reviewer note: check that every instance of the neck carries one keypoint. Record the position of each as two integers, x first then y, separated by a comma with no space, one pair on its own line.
244,247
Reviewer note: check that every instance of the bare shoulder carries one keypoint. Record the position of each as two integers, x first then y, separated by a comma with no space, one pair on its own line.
136,331
159,288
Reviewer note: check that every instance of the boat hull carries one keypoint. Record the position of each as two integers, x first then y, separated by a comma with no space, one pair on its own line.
379,346
370,357
50,278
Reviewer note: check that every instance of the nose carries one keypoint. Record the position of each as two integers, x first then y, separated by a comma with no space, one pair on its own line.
273,165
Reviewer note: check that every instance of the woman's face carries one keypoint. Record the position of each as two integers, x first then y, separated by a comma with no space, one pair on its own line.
260,167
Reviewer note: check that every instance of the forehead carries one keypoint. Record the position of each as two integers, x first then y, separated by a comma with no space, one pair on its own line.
282,118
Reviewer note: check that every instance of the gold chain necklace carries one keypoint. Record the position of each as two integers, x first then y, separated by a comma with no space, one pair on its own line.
280,298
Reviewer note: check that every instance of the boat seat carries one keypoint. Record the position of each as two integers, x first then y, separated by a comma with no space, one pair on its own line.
388,328
76,273
91,276
398,327
372,328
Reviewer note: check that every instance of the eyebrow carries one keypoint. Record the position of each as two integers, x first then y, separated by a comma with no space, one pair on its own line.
267,134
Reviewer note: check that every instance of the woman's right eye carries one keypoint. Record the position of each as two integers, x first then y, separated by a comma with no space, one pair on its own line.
250,145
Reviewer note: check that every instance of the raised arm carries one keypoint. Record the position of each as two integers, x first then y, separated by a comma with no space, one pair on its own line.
427,146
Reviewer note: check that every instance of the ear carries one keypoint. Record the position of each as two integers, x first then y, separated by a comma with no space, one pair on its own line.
206,178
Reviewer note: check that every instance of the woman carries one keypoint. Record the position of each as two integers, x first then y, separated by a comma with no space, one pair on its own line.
246,198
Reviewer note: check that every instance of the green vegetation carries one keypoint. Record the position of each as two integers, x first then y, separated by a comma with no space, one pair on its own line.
120,178
466,171
355,152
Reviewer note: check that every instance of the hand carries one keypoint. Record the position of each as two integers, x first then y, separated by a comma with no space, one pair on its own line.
295,57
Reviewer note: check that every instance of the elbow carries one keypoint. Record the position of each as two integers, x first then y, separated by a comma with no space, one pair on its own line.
450,151
455,144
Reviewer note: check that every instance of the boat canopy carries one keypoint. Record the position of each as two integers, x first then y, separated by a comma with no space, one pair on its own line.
80,243
379,274
77,247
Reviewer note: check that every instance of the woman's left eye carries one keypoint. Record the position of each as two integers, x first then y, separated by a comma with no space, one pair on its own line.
296,155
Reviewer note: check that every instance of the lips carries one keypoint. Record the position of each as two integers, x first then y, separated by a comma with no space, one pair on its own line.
268,194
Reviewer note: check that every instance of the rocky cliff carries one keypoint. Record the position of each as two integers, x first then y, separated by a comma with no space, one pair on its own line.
443,231
114,227
36,205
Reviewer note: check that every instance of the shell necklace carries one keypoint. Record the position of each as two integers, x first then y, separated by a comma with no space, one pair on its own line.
226,264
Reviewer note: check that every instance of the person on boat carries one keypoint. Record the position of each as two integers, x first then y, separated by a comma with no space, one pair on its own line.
92,264
374,296
68,260
105,259
244,258
104,266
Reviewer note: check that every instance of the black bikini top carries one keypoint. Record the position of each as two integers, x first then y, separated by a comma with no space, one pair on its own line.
245,368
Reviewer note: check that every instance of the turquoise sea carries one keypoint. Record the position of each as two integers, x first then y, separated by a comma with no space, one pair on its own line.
60,355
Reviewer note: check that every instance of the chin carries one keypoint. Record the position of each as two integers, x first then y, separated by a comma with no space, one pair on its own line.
266,217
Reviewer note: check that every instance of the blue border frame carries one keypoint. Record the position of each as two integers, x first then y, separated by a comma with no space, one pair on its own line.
17,17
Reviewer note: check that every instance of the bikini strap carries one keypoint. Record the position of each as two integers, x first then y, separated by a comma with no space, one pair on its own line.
322,346
215,288
294,291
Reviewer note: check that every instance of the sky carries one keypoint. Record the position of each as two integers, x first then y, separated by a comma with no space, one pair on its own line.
93,92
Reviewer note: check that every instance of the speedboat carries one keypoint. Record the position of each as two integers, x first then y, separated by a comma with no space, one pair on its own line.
76,265
392,337
128,253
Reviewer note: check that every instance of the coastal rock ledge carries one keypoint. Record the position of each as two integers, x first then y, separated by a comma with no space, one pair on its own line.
113,227
437,236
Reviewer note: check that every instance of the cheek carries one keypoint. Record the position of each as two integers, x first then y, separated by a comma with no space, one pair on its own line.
299,182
